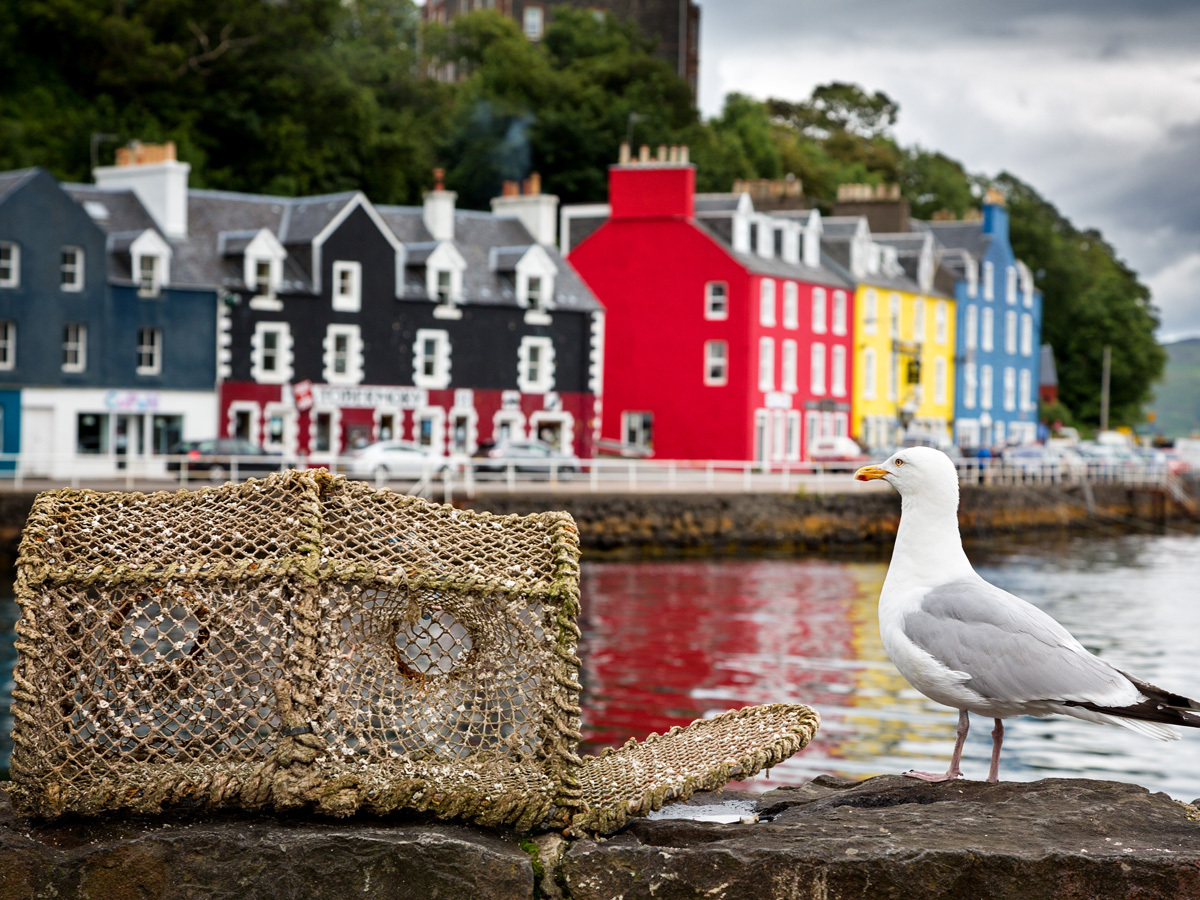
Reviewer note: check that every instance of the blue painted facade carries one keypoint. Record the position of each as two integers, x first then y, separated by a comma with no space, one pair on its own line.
133,414
996,379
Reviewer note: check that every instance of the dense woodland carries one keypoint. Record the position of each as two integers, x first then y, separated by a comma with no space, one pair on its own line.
313,96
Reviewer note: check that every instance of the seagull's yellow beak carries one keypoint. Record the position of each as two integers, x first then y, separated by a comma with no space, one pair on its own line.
870,473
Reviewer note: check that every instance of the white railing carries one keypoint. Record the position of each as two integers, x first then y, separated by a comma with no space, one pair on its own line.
443,477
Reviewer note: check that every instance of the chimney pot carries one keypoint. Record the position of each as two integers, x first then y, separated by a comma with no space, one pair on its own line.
644,153
439,179
683,154
662,153
534,183
623,156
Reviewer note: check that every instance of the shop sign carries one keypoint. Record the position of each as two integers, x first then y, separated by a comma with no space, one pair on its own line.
132,401
363,396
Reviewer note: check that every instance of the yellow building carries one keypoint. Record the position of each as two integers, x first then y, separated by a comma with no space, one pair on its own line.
903,365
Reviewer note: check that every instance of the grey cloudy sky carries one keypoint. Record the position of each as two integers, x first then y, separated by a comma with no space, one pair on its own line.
1096,103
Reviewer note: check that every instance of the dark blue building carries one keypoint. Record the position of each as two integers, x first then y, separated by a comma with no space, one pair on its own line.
107,352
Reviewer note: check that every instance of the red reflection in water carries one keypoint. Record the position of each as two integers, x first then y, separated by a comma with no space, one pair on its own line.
664,644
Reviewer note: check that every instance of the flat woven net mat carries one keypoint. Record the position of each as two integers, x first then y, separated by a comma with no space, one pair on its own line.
303,641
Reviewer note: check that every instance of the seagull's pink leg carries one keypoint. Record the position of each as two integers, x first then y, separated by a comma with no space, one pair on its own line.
997,740
964,722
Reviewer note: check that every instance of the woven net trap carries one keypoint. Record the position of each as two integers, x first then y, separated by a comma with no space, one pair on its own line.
307,642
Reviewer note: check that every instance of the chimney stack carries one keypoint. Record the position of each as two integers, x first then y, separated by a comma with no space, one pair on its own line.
156,177
538,212
439,208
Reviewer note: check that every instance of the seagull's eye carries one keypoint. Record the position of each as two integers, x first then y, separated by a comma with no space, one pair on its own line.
899,462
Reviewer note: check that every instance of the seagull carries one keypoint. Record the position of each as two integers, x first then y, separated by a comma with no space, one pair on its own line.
965,643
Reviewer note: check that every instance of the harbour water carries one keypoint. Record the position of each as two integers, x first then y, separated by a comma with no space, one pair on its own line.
668,642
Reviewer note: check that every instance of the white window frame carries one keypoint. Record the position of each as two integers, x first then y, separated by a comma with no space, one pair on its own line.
837,376
1026,334
1025,391
779,436
793,435
716,363
895,310
8,345
1010,284
987,334
716,303
13,278
533,21
970,385
789,367
870,311
74,341
919,319
263,286
74,268
514,419
354,354
766,364
1010,333
766,302
819,310
346,289
152,348
287,414
816,373
437,429
971,338
985,387
633,434
1010,388
839,312
939,379
941,319
972,268
893,386
282,371
436,376
541,379
989,280
870,373
791,305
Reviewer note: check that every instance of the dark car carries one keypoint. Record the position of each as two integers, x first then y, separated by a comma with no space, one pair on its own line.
536,457
216,458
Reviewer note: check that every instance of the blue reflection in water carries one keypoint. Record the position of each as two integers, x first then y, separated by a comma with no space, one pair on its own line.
668,642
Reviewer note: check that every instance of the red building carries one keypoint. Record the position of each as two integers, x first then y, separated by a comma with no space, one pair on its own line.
725,336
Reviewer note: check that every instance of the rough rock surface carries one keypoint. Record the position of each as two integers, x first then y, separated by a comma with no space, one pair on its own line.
886,837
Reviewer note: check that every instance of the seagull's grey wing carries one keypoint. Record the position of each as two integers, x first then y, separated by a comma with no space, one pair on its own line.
1012,650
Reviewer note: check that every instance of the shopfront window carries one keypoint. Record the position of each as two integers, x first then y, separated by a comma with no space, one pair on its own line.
91,433
167,432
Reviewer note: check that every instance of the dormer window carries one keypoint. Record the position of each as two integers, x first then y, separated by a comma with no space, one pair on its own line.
533,292
347,286
10,265
149,277
71,269
442,290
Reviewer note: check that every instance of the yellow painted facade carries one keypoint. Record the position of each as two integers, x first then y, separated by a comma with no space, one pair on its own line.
893,329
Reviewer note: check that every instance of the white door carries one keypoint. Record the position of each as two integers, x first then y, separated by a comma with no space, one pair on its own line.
37,441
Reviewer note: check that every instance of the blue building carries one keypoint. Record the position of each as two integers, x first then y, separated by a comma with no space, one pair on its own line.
107,342
999,330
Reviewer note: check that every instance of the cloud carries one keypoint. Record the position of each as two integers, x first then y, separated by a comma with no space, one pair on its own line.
1176,291
1096,103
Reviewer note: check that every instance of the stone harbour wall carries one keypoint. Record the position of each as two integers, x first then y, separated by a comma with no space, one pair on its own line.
885,838
647,524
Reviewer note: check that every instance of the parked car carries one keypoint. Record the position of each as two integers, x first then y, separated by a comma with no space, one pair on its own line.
826,450
533,456
392,459
215,457
1054,463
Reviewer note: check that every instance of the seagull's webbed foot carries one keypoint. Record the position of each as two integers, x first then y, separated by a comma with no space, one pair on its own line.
964,722
933,776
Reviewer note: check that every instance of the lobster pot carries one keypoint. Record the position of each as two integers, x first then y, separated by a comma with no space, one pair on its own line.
295,641
303,641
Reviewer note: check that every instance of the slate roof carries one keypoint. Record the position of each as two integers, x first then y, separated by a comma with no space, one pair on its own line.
476,235
716,203
967,236
126,218
840,226
837,249
10,181
720,230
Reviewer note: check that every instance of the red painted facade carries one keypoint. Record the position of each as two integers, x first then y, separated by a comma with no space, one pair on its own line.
650,265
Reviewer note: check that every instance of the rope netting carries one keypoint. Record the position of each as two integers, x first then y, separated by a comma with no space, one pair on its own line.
305,641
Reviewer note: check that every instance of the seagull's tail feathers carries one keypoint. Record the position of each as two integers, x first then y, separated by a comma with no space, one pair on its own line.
1154,716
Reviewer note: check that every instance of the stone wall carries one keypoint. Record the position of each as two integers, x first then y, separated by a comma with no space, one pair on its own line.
885,838
705,524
